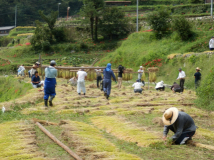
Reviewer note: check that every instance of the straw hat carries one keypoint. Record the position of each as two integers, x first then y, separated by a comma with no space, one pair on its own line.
170,116
37,63
34,66
198,68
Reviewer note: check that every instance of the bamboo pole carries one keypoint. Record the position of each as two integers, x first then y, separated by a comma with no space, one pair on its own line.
51,136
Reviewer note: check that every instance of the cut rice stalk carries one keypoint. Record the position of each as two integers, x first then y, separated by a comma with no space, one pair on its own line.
124,131
90,144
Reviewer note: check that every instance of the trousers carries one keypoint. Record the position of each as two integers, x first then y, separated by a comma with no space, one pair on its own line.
161,88
183,137
49,88
99,78
182,84
120,79
107,86
81,86
138,90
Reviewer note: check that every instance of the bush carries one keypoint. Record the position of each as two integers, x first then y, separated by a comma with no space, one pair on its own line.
182,27
159,22
205,92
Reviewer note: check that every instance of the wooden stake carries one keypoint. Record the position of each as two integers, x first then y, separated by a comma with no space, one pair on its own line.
51,136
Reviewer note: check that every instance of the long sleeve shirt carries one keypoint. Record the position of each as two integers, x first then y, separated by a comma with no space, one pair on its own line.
159,85
108,74
137,85
181,75
183,124
50,72
32,71
98,72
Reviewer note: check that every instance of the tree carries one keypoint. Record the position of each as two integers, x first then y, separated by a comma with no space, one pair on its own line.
159,22
91,9
47,34
182,27
114,24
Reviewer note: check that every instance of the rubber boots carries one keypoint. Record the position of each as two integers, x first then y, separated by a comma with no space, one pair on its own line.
50,100
46,103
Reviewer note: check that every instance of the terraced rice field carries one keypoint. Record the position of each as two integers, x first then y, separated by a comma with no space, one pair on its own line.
126,127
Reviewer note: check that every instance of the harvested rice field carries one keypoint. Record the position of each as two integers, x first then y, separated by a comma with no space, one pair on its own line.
128,126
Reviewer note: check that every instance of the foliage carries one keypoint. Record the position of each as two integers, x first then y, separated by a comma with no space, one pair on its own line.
205,92
45,36
182,27
196,1
114,24
159,22
92,10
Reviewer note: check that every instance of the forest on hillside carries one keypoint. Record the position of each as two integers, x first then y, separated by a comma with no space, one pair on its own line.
27,10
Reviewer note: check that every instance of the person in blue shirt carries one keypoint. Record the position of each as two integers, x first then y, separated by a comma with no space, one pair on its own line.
108,74
36,80
50,83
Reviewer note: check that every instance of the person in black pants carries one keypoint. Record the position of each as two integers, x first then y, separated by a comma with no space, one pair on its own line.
197,76
99,77
181,77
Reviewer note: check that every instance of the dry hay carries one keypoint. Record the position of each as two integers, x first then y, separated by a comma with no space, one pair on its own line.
37,110
90,144
124,131
92,86
18,141
158,121
205,133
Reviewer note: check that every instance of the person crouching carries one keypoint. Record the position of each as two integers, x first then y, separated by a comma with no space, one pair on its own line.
137,86
50,83
180,123
176,88
36,80
160,86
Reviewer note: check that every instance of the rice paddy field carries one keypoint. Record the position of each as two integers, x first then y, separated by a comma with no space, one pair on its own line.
128,126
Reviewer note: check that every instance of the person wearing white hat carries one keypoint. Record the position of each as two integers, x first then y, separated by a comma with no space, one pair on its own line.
197,76
50,83
180,123
160,86
140,73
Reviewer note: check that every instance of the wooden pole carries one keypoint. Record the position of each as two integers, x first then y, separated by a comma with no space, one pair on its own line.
51,136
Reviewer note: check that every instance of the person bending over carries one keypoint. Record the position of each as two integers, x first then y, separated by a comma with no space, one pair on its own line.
138,86
160,86
176,88
180,123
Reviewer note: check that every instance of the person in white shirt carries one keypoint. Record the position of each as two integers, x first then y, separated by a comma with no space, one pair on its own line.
160,86
32,71
21,70
140,73
181,77
211,44
73,81
137,86
81,75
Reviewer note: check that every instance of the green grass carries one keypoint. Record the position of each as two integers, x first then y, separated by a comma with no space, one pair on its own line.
142,47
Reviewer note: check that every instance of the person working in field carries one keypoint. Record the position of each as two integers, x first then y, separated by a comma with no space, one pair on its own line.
21,70
50,83
120,75
108,74
99,76
36,81
138,86
197,76
176,88
211,44
140,73
180,123
160,86
81,75
73,81
37,64
181,77
32,71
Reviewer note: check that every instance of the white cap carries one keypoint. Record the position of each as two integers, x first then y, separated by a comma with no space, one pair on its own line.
141,66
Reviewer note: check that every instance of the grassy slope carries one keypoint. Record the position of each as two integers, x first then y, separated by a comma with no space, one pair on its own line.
142,47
